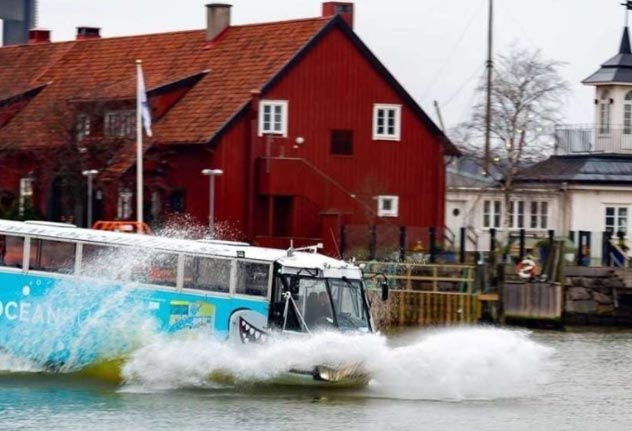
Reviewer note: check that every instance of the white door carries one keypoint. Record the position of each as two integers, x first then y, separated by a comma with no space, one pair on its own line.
455,216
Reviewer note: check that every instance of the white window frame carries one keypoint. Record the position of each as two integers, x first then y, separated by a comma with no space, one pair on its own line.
272,104
604,113
617,226
124,204
493,210
83,127
26,192
381,110
393,211
517,214
627,113
120,124
540,216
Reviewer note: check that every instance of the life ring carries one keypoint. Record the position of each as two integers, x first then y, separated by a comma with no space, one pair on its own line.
526,269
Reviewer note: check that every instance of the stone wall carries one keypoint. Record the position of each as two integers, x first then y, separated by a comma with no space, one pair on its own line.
595,297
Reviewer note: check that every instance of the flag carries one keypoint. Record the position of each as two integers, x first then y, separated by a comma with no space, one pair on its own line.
142,101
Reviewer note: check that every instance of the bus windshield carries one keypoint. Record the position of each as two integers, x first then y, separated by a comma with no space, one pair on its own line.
348,301
326,303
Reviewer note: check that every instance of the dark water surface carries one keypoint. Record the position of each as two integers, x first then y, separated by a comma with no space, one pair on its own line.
584,384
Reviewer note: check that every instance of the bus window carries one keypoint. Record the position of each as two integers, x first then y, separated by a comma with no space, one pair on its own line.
107,262
11,251
94,259
204,273
162,269
252,278
129,264
52,256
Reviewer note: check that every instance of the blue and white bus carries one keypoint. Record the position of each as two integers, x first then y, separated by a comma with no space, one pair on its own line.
71,297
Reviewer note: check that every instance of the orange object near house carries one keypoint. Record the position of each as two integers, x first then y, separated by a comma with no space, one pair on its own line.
123,226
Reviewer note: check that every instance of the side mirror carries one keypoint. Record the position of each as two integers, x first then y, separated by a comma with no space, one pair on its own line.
294,285
384,286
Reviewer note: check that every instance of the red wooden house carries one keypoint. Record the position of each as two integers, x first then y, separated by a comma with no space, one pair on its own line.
308,127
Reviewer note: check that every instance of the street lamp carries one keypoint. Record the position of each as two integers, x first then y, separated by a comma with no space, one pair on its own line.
211,173
90,174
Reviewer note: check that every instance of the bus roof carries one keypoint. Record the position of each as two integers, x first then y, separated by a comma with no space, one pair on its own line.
63,232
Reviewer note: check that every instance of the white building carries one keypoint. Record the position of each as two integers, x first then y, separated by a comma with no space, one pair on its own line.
585,186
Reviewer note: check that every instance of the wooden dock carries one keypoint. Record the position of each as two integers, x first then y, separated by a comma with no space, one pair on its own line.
532,301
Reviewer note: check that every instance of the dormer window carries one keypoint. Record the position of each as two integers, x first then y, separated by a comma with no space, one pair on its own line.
82,127
120,124
124,207
26,193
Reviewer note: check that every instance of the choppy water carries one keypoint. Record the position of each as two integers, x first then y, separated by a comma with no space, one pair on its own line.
452,379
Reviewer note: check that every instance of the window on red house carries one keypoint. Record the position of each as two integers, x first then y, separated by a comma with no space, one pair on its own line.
386,122
273,117
342,142
120,124
82,127
177,201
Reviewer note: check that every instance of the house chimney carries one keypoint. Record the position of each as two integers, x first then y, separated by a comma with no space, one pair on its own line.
38,35
217,19
344,9
84,33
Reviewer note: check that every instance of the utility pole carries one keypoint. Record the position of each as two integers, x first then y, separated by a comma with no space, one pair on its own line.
488,110
139,146
211,173
90,174
439,117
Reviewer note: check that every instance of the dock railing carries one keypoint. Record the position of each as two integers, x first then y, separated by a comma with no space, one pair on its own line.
426,294
426,277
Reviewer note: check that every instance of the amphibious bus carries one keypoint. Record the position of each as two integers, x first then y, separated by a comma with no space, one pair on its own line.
71,297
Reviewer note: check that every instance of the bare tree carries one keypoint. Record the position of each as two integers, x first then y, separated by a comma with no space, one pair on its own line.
528,93
71,146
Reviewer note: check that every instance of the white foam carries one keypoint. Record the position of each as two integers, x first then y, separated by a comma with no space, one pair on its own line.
449,364
11,364
171,363
464,363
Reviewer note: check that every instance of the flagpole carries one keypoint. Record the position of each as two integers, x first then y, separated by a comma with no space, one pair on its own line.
139,148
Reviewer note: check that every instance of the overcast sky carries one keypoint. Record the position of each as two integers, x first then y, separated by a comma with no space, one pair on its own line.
435,48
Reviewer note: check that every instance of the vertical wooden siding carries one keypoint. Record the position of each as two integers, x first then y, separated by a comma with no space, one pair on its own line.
335,87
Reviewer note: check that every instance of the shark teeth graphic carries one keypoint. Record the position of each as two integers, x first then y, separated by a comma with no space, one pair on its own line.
250,334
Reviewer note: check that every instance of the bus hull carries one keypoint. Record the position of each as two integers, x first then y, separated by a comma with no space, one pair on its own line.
37,324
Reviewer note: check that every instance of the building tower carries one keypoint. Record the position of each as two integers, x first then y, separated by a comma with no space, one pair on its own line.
613,99
19,16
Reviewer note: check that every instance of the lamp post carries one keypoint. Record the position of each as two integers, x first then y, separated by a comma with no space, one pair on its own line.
211,173
90,174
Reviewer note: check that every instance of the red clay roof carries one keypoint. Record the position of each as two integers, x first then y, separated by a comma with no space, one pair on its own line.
240,59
